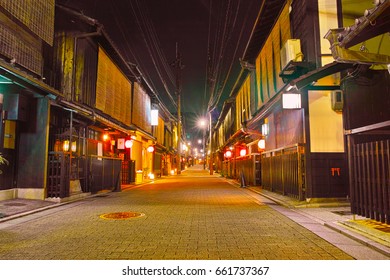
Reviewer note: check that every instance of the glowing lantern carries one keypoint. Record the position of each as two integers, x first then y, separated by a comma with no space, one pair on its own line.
243,152
154,118
291,101
73,147
128,144
261,144
65,146
228,154
150,149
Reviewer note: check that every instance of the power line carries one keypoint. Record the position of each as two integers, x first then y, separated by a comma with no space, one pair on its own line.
143,32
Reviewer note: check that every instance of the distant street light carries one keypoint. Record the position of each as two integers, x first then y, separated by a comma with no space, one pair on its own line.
202,123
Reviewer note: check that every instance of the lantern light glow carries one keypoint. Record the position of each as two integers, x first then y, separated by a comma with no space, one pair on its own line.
150,149
261,144
291,101
154,119
73,147
128,144
65,146
265,129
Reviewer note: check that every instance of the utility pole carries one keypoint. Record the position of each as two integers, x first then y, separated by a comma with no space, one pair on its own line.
211,145
178,66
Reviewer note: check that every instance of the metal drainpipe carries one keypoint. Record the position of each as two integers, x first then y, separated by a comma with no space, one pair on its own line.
76,37
97,33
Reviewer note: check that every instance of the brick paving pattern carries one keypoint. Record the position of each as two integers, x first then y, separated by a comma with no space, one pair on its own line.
187,217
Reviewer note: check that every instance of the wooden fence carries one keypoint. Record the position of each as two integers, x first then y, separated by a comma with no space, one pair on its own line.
370,180
58,175
95,174
282,171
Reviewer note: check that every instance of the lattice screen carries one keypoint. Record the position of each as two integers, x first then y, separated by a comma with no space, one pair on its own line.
15,46
37,15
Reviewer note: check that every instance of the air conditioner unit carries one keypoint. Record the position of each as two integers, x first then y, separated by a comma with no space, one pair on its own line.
337,100
291,51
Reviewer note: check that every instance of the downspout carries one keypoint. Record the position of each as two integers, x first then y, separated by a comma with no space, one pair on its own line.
98,32
76,37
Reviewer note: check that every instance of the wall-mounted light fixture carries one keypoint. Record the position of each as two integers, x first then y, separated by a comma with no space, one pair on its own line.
154,117
228,154
150,149
265,129
128,143
73,147
261,144
65,146
291,100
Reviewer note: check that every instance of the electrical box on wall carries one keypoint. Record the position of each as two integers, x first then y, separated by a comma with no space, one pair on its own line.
337,100
291,51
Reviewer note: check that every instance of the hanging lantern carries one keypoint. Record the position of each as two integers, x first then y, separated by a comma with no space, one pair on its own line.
73,147
150,149
128,144
243,152
65,146
228,154
261,144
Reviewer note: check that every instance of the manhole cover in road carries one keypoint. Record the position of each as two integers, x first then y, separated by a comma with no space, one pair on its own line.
121,215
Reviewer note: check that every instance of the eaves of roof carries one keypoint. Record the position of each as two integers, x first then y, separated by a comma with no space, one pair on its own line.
27,81
374,22
108,44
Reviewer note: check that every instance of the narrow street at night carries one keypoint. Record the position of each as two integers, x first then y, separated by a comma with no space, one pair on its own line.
193,216
196,138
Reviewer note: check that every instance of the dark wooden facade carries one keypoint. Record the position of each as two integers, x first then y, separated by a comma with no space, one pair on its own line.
367,103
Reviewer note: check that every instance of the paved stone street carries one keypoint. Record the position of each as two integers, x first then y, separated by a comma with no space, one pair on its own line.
191,216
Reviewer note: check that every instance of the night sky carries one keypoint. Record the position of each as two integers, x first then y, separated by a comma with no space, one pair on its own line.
146,32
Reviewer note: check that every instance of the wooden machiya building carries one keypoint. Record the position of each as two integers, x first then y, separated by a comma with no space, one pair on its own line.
71,104
26,28
319,113
366,87
107,104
